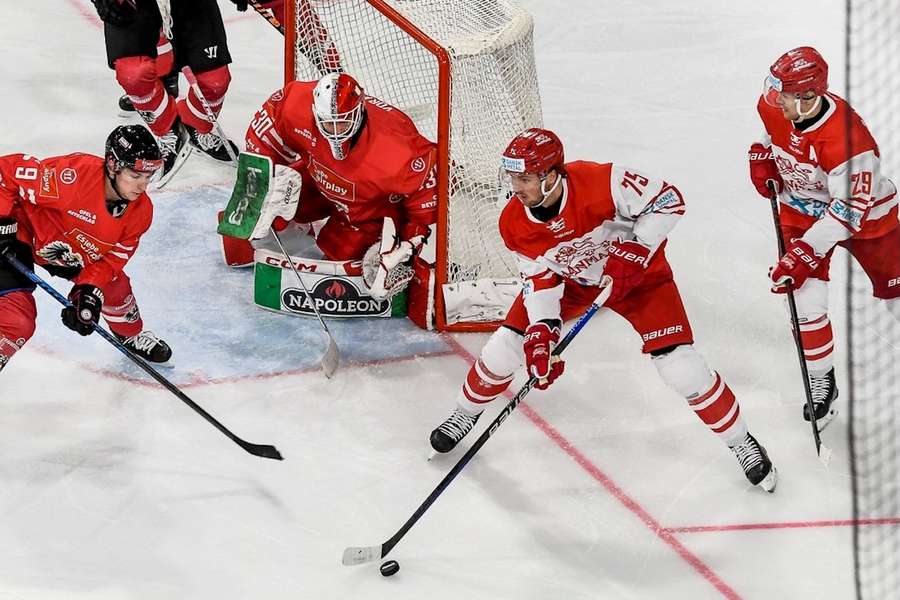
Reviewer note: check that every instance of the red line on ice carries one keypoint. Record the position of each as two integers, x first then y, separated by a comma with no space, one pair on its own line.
783,525
618,493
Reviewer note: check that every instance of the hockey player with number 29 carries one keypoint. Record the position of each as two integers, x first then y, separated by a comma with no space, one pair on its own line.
825,166
569,225
80,217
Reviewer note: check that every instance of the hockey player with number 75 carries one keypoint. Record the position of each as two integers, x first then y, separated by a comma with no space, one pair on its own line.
80,217
569,225
820,158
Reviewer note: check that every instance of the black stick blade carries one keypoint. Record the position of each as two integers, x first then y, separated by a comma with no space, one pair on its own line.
262,450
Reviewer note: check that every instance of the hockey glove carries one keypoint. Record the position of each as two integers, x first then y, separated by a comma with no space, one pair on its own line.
387,266
763,170
241,5
540,340
87,301
8,230
798,263
626,264
115,12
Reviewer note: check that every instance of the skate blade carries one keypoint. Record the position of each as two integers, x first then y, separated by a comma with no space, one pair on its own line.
179,162
431,454
824,422
769,481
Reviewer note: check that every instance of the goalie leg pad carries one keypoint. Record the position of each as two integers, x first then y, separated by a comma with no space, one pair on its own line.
420,297
685,371
120,309
17,322
235,251
492,372
815,327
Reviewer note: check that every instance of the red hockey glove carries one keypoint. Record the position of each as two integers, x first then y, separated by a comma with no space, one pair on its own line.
8,229
540,339
87,301
763,170
626,264
795,267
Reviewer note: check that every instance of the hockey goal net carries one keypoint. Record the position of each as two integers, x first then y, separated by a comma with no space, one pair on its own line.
464,71
873,89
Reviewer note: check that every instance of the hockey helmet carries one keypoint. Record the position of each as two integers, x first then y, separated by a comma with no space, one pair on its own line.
797,71
339,107
134,147
533,151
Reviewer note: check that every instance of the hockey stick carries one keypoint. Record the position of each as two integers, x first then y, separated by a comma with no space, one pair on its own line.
356,555
332,356
268,15
261,450
795,327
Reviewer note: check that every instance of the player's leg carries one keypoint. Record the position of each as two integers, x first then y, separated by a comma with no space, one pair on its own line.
164,65
200,43
492,373
17,308
817,339
121,312
656,312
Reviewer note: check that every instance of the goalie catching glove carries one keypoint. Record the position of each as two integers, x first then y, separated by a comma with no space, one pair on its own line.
387,265
262,197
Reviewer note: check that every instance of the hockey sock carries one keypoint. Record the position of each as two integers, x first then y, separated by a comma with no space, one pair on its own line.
137,76
818,344
213,84
719,409
120,309
480,387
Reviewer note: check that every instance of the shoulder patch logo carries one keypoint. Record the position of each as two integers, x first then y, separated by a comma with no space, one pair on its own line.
418,165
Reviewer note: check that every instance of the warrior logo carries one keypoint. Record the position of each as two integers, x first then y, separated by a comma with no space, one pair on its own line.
60,253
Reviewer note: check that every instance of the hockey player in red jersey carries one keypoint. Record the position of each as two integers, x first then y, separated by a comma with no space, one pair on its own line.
569,225
826,168
79,217
361,159
198,40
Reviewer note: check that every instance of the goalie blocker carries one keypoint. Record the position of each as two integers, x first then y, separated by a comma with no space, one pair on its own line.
387,282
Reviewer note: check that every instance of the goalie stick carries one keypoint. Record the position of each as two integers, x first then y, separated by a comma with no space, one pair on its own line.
261,450
823,452
332,357
356,555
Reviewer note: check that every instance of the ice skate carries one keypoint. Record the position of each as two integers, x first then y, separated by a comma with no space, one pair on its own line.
450,432
824,393
126,108
148,346
175,150
212,144
756,464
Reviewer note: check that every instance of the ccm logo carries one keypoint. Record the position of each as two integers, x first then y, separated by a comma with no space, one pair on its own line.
662,332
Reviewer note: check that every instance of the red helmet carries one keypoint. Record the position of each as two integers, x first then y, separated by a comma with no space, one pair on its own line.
799,70
340,104
533,151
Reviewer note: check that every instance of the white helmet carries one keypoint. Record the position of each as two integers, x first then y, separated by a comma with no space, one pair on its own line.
339,107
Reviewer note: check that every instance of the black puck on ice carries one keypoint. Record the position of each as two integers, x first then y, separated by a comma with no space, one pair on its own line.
389,567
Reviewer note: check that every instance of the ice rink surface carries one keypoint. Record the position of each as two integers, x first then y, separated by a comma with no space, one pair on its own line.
604,487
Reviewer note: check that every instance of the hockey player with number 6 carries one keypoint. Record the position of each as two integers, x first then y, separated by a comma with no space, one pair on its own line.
569,225
80,217
823,163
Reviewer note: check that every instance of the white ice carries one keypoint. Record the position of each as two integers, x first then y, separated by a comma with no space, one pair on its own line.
111,488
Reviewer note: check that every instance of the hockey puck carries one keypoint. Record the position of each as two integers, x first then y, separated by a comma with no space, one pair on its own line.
389,567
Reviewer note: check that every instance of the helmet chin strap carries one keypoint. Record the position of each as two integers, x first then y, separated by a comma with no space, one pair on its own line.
810,112
546,193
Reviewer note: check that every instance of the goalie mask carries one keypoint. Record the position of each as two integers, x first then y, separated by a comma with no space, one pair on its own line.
798,72
339,110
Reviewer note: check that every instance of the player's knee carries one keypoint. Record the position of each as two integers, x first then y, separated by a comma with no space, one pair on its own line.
136,74
684,370
18,314
214,83
502,354
812,300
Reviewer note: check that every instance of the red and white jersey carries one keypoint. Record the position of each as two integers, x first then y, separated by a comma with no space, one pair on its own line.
600,203
60,206
389,171
830,177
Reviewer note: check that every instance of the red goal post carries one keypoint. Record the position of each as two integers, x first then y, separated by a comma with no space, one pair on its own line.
464,71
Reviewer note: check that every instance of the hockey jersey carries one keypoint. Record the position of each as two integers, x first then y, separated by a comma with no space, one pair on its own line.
390,170
60,206
833,185
600,203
